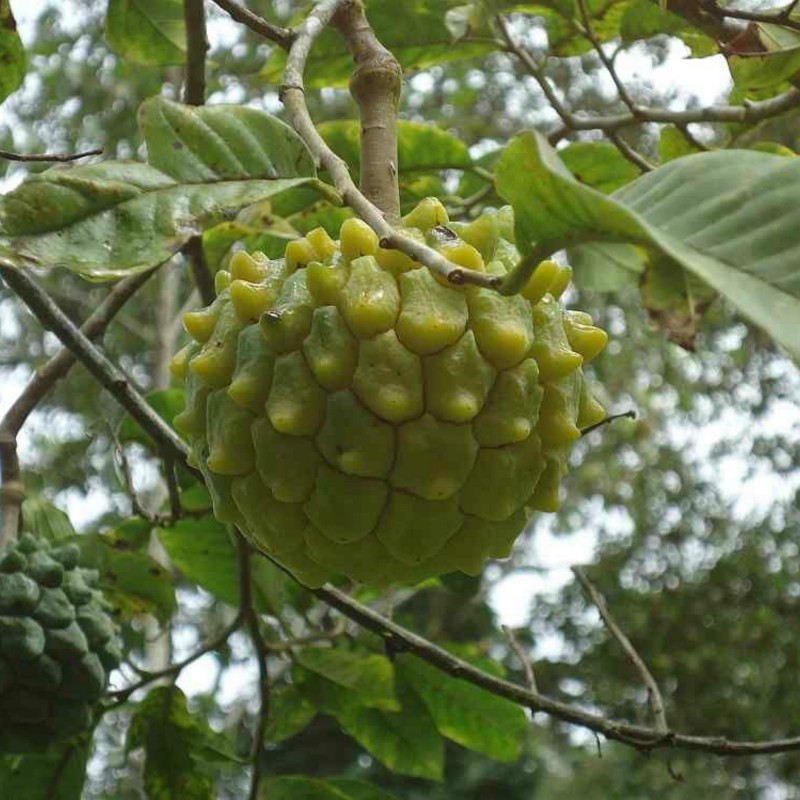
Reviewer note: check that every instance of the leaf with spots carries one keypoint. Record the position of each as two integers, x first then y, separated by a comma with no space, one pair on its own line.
12,52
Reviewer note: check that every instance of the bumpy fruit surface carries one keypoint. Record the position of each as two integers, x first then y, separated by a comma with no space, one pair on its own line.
354,415
57,645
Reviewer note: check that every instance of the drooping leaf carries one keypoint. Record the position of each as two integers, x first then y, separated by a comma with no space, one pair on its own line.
466,714
290,712
405,740
175,746
675,300
299,787
414,31
774,60
728,217
57,776
41,517
370,677
149,32
203,551
419,146
225,142
599,165
133,582
12,52
111,219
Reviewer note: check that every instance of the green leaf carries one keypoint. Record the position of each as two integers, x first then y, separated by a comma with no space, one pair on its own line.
202,550
12,53
371,677
167,403
405,741
419,146
299,787
111,219
728,217
599,165
467,715
673,144
643,19
358,790
606,267
41,517
132,581
57,776
175,747
415,31
148,32
225,142
289,713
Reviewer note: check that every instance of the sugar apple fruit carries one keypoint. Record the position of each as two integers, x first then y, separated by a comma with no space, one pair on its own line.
57,645
354,415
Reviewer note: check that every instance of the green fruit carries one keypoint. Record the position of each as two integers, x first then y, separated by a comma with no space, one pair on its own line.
57,645
357,416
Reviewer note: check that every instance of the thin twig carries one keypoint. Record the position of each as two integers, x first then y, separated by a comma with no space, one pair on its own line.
122,695
248,613
281,36
194,18
54,157
203,279
629,153
630,414
293,96
589,33
45,377
653,692
106,372
748,112
525,659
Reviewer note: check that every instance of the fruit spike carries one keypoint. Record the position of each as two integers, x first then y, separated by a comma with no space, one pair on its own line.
355,415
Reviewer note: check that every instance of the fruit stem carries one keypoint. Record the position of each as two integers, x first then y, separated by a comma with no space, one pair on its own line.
376,85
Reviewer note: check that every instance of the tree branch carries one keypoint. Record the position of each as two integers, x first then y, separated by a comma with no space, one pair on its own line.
293,96
375,85
748,112
55,157
642,737
250,617
109,376
653,692
194,17
122,695
283,37
45,377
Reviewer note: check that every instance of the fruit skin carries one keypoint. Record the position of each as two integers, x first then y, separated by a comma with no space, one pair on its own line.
356,416
58,645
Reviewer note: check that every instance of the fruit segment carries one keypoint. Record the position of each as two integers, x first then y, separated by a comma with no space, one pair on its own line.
433,458
457,381
431,316
388,378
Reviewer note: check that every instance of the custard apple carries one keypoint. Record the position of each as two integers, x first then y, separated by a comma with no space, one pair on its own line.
354,415
57,645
